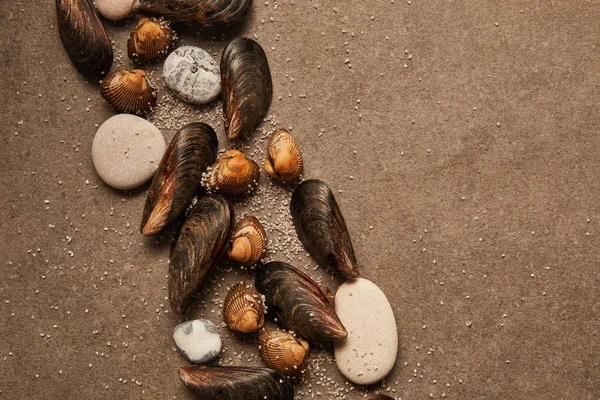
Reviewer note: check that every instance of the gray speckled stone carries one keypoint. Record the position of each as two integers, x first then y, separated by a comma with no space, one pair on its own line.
114,9
198,340
127,150
192,74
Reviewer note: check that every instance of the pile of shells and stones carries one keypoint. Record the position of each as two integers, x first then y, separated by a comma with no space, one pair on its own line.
190,183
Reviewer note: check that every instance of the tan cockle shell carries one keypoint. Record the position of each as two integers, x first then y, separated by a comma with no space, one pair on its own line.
283,351
249,241
243,309
151,39
284,159
129,91
233,174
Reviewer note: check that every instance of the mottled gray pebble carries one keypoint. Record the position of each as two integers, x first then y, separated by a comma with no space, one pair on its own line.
198,340
127,150
192,74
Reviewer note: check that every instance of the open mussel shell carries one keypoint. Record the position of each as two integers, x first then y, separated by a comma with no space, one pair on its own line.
284,159
236,383
84,37
208,13
129,91
179,176
232,174
249,242
321,227
283,351
246,86
200,244
300,305
243,309
151,39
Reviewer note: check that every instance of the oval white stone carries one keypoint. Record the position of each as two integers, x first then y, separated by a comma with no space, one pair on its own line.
127,150
192,74
198,340
369,352
114,9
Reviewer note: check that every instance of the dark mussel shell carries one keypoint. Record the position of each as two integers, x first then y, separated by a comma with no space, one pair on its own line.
208,13
298,301
380,397
246,85
179,175
83,37
200,245
236,383
321,227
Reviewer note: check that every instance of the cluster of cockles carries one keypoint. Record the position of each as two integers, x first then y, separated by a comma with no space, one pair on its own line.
191,177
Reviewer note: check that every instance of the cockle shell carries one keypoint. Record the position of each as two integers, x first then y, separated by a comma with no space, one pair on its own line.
243,309
246,86
236,383
179,176
151,39
200,244
208,13
283,351
83,37
321,227
129,91
233,174
298,302
249,241
284,159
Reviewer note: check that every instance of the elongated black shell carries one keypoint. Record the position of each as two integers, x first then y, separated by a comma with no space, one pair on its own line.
380,397
208,13
246,85
298,302
201,243
83,37
236,383
321,227
179,176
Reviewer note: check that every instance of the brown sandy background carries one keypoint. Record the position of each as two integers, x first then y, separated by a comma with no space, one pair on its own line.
469,176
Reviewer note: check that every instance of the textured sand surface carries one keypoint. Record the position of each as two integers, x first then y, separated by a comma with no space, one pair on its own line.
461,139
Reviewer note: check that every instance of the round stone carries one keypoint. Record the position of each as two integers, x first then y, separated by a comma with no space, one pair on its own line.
114,9
192,74
369,352
126,151
198,340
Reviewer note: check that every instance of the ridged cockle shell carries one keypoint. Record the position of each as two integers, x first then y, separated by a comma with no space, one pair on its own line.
243,309
129,91
284,159
283,351
233,174
249,241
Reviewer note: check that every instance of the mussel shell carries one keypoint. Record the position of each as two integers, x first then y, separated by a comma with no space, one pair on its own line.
179,176
151,39
129,91
233,174
249,241
380,397
236,383
300,305
321,227
284,159
243,309
246,86
208,13
283,351
83,37
202,241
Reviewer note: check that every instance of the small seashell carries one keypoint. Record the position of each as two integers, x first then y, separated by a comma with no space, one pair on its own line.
129,91
243,309
233,174
246,86
283,160
283,351
83,37
208,13
236,383
151,39
249,241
